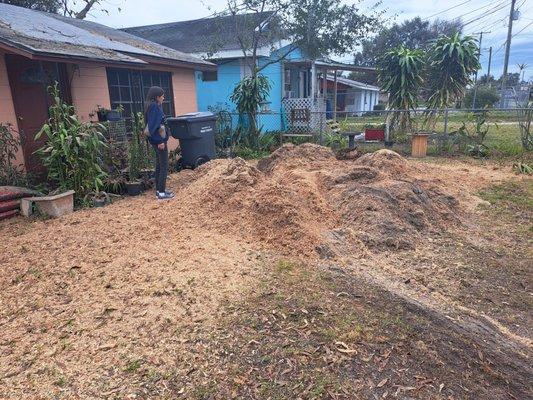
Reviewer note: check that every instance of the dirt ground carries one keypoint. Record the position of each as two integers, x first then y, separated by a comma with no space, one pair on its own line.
302,276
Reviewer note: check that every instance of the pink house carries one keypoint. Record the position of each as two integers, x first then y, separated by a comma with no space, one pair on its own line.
94,65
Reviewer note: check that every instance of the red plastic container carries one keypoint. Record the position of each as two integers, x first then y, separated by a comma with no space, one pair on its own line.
374,134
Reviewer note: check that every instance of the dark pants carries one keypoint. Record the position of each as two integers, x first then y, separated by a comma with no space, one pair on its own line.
161,168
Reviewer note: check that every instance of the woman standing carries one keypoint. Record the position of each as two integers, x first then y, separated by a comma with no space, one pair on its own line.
158,137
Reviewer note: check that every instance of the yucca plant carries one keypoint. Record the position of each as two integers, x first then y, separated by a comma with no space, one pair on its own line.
248,94
400,74
452,62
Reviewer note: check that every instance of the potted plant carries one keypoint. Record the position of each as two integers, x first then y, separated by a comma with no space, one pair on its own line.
146,156
105,114
375,132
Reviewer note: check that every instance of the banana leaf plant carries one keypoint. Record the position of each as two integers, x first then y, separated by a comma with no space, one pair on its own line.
400,74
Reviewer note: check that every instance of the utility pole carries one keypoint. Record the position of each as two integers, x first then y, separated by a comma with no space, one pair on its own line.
479,58
507,51
488,69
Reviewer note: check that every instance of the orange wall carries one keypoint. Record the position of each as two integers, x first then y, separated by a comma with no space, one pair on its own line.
89,89
7,109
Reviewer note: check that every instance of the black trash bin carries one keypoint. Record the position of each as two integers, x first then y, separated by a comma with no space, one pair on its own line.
196,133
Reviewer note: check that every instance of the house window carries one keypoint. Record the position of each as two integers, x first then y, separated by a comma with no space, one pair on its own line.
210,76
128,88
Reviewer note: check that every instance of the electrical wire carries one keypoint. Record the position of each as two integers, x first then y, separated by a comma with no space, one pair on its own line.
480,8
484,25
448,9
495,9
517,33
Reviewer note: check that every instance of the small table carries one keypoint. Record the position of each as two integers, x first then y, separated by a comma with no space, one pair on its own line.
351,138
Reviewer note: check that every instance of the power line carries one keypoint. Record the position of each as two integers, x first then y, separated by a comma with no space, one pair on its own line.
495,9
490,24
482,7
448,9
523,29
517,33
485,25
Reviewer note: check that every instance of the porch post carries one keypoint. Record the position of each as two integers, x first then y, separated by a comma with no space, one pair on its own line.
335,96
313,80
325,84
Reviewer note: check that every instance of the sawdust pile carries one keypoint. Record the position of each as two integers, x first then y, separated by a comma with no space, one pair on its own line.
295,198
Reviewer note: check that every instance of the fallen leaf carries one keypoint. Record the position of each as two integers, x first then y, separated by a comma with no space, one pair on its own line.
382,382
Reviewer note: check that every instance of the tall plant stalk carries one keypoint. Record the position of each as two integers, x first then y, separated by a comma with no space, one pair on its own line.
248,94
400,74
73,150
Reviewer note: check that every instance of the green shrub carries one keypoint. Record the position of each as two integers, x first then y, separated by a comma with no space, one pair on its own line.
486,97
249,153
335,141
10,174
73,150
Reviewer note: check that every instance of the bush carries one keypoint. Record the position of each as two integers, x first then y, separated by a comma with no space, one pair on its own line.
470,137
10,174
486,97
73,150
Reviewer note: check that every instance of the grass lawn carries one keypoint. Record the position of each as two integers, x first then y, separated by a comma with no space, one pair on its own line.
503,138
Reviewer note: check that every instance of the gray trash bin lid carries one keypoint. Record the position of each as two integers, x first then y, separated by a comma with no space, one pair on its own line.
197,117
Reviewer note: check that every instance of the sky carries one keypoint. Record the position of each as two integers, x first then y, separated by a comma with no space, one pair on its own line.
477,15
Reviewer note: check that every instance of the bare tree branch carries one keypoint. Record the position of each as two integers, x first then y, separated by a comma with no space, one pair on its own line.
83,13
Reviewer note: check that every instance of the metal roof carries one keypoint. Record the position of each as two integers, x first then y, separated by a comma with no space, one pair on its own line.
330,65
352,83
49,34
202,35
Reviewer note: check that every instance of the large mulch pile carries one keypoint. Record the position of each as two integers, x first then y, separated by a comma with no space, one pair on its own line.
300,193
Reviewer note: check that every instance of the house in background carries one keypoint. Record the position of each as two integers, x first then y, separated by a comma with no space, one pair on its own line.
353,97
94,65
291,78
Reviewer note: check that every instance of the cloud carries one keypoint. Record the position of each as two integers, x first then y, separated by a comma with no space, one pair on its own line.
488,15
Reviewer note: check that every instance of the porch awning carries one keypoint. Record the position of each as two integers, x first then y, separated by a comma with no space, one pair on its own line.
330,65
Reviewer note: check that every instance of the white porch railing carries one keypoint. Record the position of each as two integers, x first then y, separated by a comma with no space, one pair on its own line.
304,115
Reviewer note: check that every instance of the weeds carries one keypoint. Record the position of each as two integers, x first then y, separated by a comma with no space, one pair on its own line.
133,366
10,174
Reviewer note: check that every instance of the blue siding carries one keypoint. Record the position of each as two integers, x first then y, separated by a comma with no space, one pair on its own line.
218,92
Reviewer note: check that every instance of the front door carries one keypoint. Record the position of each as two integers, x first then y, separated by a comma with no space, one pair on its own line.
29,80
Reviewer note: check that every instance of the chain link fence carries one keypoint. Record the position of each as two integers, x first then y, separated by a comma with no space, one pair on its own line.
451,131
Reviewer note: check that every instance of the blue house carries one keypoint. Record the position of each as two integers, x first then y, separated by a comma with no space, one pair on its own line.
299,98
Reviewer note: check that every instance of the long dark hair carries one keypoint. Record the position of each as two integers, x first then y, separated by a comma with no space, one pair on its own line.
153,93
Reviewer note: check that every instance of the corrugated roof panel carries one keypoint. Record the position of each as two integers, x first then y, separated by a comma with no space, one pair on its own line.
55,34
